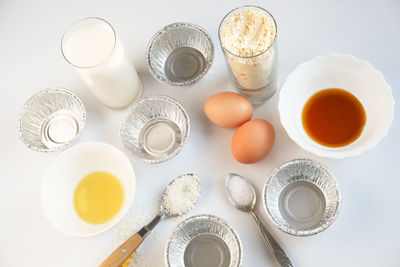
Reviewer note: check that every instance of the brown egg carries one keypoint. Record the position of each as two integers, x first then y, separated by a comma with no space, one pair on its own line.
228,109
253,141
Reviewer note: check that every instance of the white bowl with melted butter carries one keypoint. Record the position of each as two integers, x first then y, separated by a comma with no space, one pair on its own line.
73,192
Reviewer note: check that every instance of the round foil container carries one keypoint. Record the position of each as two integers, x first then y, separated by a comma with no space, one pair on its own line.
155,129
180,54
204,240
51,120
301,197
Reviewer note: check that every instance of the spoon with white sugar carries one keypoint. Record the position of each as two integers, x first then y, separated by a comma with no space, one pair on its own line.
243,197
177,199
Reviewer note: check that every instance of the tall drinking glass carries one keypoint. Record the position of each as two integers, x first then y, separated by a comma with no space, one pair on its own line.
254,74
92,48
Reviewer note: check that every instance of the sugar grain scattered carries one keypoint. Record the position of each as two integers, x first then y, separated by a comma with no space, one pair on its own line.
132,222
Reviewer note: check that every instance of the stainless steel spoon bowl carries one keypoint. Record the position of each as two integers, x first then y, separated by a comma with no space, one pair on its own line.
122,253
243,197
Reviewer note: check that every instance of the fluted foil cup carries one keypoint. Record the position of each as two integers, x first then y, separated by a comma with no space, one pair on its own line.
180,54
204,240
51,120
301,197
155,129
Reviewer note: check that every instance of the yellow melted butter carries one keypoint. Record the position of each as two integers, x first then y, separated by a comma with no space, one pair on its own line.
98,197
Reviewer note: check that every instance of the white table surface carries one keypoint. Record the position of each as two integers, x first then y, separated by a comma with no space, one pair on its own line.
367,230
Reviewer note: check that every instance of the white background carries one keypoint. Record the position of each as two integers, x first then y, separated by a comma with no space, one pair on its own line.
367,230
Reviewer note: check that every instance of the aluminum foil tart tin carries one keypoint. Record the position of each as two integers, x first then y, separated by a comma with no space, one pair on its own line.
204,240
51,120
302,197
155,129
180,54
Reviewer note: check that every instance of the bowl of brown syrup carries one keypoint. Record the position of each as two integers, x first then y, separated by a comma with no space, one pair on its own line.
336,106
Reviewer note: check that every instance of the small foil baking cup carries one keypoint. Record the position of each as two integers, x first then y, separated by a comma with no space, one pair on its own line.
301,197
155,129
180,54
210,228
51,120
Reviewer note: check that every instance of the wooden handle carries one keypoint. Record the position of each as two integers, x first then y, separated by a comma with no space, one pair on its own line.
119,256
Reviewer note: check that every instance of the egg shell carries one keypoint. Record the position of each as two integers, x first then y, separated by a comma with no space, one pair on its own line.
228,109
253,141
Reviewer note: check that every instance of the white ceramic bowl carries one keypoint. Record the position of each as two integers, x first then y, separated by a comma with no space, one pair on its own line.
337,71
64,174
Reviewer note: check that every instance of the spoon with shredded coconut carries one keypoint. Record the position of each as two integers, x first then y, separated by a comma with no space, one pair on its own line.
243,197
178,198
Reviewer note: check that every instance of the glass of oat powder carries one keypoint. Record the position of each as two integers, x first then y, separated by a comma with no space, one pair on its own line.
248,39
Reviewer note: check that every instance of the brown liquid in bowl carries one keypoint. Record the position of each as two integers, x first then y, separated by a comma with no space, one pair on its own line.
333,117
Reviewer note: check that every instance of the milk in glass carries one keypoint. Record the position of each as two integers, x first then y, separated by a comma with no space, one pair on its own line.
93,49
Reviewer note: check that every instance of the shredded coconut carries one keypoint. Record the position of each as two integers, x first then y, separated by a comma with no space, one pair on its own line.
181,195
249,37
240,191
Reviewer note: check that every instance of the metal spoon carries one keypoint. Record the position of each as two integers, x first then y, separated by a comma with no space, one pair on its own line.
245,199
122,253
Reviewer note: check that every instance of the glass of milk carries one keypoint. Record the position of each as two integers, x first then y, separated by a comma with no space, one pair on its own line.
91,46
